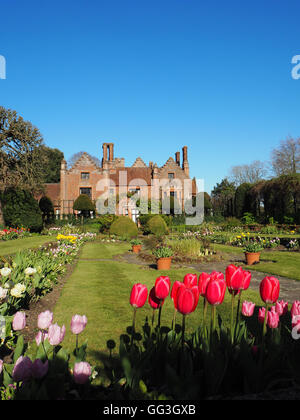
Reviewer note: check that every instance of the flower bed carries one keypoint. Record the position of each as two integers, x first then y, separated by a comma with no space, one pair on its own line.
9,234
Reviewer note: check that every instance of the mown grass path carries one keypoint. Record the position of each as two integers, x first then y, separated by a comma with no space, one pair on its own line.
16,245
100,287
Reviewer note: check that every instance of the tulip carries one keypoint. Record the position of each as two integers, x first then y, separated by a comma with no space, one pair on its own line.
261,315
187,299
270,290
40,337
234,279
82,372
247,280
162,287
1,366
138,299
248,309
45,320
3,293
56,334
138,295
39,369
203,282
216,288
5,271
281,307
19,321
295,310
174,292
190,280
78,324
22,370
273,319
153,300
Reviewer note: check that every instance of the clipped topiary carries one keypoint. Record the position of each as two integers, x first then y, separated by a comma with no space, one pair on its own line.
84,204
20,209
157,226
124,227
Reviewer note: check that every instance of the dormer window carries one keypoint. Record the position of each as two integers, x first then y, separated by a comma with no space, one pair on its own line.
85,175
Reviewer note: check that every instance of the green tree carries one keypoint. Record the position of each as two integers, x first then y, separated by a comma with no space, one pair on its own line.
223,198
84,204
52,159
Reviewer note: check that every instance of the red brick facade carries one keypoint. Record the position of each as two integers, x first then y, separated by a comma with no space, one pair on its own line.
86,177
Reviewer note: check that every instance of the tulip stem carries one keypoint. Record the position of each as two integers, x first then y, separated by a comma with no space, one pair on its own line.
183,331
232,310
174,319
153,316
205,306
159,314
133,326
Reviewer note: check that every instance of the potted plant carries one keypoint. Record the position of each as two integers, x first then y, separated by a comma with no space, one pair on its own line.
252,252
164,257
136,245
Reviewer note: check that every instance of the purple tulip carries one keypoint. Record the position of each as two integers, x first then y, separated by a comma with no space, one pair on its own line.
22,370
45,320
39,369
82,371
19,321
56,334
78,324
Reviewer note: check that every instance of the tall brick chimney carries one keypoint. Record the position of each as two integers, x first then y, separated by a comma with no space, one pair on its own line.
185,163
177,158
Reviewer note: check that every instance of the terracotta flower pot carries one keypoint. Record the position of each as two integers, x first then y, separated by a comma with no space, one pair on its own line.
252,257
136,248
164,263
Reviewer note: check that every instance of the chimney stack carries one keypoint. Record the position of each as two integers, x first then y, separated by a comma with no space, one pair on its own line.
185,163
177,158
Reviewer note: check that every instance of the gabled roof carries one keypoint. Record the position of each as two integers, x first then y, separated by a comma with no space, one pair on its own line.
170,163
84,160
139,163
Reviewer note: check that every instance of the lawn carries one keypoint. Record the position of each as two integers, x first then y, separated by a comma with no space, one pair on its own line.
280,263
101,290
16,245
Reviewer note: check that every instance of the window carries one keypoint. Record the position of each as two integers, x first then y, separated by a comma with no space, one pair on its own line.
85,175
87,191
173,194
171,175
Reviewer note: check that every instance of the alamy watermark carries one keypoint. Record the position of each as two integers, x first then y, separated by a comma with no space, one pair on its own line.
296,68
2,67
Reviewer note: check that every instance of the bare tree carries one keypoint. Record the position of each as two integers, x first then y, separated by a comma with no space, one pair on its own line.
74,158
286,159
251,174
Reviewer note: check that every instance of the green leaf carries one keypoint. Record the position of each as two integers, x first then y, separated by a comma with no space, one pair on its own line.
19,350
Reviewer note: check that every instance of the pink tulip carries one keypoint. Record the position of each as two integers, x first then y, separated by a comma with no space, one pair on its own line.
216,288
273,319
78,324
39,369
56,334
40,337
270,290
22,370
162,287
45,320
248,309
261,315
1,366
282,307
82,371
204,278
138,295
153,300
190,280
19,321
295,310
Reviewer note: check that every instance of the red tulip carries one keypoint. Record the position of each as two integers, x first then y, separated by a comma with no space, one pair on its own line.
247,280
216,288
204,278
138,295
153,300
174,291
162,287
187,299
190,280
234,279
270,290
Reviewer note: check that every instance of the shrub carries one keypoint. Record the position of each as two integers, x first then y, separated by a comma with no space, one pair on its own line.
123,226
84,204
105,221
47,208
248,219
20,209
157,226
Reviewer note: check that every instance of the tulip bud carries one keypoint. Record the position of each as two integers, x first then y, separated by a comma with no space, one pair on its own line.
187,299
78,324
216,288
248,309
281,307
234,279
174,291
204,278
45,320
138,295
190,280
295,310
56,334
82,371
273,319
162,287
261,315
270,290
19,321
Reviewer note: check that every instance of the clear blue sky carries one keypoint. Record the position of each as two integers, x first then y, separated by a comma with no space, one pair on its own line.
153,76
